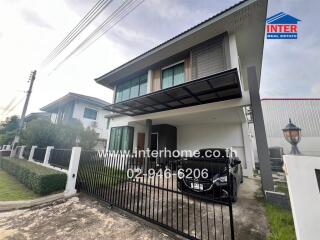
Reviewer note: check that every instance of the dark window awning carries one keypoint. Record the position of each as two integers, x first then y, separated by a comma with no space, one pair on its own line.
214,88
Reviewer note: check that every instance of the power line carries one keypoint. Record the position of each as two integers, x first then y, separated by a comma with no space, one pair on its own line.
88,18
5,110
120,13
15,106
85,21
105,27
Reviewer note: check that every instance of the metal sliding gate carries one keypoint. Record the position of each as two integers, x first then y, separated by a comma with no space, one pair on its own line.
162,195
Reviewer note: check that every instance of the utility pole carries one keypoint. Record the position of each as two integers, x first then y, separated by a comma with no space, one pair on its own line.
32,77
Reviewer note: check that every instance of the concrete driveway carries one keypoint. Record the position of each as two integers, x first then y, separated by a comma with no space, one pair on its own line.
85,218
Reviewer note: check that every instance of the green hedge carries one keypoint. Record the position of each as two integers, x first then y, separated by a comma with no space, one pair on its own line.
39,179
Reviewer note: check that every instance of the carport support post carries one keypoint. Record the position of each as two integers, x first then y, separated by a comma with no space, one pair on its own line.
47,156
260,132
33,148
147,142
21,151
73,171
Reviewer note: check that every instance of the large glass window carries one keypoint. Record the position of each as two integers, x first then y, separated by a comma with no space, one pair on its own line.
132,88
90,113
121,138
173,76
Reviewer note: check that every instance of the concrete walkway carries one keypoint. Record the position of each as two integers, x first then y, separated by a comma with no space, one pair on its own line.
249,214
85,218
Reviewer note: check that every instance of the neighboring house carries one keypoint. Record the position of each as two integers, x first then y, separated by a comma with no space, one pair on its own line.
88,110
36,116
190,92
304,112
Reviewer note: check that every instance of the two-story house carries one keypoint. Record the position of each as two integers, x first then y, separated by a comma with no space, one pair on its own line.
192,91
88,110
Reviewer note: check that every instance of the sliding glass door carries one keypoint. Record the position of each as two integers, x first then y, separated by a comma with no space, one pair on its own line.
121,138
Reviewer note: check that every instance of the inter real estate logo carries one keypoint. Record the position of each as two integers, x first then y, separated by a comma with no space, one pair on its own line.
282,26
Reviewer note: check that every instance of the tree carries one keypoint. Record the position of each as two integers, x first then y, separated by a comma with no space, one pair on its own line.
43,133
8,129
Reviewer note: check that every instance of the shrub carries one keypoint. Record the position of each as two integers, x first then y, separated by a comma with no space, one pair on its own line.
43,133
39,179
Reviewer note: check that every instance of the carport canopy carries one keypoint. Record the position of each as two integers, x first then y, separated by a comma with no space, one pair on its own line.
214,88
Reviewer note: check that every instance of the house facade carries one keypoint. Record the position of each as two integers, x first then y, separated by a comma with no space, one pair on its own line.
88,110
194,90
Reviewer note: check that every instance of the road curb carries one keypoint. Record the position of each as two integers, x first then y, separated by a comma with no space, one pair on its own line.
13,205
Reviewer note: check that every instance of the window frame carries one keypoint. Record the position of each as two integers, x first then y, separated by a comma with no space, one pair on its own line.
143,79
84,111
119,132
173,65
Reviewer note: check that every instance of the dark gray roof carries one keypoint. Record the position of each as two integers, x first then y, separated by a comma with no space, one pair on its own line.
75,96
94,100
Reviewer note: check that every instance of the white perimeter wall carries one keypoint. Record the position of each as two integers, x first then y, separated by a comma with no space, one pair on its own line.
101,120
304,195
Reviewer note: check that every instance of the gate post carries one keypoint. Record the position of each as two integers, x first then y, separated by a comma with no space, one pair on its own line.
72,171
13,152
21,152
47,156
33,148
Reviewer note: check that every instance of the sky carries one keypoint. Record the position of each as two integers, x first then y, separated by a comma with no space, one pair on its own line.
31,29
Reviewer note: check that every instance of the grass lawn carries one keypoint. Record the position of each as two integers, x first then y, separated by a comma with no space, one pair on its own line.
280,222
12,190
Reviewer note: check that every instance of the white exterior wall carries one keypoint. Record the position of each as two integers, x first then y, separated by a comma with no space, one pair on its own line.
215,135
101,120
198,136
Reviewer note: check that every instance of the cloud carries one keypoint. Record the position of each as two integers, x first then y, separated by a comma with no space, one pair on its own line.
315,90
35,19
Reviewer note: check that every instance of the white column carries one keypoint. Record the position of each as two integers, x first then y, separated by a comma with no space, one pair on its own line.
21,152
33,148
13,152
47,156
72,172
247,150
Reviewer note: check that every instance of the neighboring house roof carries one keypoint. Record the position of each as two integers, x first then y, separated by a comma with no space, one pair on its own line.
282,18
184,40
37,115
74,96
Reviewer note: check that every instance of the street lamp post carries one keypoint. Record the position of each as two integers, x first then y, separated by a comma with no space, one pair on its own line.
292,134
